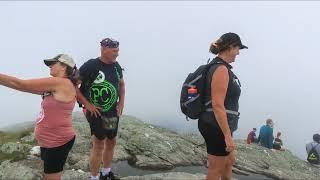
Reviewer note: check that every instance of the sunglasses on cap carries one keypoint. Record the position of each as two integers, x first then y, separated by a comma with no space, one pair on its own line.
51,63
109,43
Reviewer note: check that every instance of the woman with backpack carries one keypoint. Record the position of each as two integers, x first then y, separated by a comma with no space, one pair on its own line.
220,120
53,130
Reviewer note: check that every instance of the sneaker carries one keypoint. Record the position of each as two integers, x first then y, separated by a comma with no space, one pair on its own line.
109,176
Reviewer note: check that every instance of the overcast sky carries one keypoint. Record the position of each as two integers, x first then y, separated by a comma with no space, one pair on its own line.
161,42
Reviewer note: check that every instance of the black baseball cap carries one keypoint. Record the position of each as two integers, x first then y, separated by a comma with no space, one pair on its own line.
232,38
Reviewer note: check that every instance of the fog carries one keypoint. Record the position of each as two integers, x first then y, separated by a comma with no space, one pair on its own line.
161,42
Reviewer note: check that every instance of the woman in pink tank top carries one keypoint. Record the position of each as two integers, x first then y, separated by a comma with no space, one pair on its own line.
53,130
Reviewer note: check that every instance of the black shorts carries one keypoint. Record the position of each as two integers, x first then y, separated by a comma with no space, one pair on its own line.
212,135
103,127
55,158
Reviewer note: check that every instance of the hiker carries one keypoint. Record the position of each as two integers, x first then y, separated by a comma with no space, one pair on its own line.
102,93
252,138
277,143
53,130
217,124
313,150
265,138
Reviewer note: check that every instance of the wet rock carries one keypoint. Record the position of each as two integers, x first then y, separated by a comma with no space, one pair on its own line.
166,176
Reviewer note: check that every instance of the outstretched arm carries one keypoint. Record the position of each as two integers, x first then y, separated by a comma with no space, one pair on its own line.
35,86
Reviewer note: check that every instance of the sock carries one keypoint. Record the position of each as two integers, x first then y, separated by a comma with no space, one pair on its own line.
94,178
105,171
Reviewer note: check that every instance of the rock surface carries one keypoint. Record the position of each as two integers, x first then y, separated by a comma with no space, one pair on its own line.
149,147
172,175
11,147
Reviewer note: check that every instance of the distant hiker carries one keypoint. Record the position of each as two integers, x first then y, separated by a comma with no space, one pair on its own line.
252,138
222,93
102,93
266,134
53,129
277,143
313,150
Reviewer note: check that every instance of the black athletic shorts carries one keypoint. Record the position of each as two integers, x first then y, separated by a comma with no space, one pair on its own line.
103,127
212,135
55,158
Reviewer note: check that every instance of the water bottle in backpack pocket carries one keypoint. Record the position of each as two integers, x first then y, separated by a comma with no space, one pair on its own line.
192,92
191,103
190,100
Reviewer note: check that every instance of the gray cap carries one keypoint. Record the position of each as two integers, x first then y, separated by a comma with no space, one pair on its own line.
63,58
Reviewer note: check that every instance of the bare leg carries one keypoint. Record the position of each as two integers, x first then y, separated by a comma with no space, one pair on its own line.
108,152
227,173
216,167
53,176
96,155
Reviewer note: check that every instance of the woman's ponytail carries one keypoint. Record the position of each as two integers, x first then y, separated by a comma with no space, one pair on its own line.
73,74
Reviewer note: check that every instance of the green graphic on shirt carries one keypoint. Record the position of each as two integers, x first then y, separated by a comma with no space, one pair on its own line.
103,93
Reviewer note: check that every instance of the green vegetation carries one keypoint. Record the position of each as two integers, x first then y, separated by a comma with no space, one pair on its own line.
14,137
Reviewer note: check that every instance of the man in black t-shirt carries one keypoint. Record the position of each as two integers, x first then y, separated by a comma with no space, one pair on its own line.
102,93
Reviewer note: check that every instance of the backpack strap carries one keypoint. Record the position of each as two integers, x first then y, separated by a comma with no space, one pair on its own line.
314,147
217,61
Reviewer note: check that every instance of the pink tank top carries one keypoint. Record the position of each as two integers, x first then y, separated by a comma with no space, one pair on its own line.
54,124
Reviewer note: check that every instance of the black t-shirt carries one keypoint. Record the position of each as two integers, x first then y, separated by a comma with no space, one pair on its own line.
104,91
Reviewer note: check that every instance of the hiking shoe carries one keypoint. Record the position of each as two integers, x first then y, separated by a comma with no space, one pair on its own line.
109,176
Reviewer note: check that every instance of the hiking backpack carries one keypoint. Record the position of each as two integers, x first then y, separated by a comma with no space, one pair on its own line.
193,106
313,156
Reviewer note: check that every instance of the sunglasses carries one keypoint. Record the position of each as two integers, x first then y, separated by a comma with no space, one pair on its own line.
109,43
51,63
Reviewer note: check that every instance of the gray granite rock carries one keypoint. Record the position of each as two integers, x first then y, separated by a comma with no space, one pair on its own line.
75,174
28,139
18,171
151,147
11,147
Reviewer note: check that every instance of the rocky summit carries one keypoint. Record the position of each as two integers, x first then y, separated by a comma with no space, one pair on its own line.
150,148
